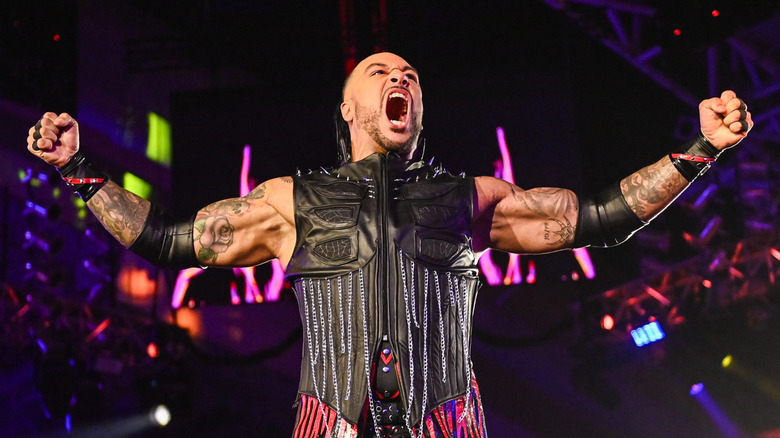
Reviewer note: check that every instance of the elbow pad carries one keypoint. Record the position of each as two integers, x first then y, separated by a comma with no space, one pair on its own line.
605,219
165,241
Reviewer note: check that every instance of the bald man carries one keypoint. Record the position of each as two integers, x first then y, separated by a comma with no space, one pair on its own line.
382,251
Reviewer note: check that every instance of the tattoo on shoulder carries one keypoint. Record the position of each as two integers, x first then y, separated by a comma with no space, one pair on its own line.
215,234
258,192
287,179
234,206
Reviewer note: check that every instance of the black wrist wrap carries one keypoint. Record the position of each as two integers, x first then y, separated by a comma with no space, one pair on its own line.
165,241
605,219
78,168
699,147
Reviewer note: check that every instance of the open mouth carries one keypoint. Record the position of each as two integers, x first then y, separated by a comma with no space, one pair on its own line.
397,108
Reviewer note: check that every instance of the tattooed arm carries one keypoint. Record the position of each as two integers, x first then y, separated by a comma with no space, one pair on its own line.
121,212
249,230
242,231
509,218
545,219
651,189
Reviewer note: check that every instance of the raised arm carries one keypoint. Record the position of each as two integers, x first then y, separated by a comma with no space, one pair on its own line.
547,219
235,232
249,230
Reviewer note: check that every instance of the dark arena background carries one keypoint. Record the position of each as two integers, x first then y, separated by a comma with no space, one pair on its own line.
169,93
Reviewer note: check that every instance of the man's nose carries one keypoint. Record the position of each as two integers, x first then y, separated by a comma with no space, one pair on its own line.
399,77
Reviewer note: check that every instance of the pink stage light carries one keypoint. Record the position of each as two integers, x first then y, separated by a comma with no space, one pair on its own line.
252,294
234,298
531,278
583,258
658,296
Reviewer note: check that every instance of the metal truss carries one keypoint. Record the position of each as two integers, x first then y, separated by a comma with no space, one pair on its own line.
733,266
747,60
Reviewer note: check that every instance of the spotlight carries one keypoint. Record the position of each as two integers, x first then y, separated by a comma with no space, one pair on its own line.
160,415
696,388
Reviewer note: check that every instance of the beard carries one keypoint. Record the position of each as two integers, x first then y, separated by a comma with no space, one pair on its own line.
368,120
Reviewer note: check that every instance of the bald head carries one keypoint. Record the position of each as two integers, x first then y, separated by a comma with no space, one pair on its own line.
375,59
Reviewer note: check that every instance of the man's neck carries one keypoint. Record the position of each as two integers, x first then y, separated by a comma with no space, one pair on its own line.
359,153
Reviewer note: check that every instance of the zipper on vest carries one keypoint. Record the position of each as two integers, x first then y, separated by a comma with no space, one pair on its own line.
384,261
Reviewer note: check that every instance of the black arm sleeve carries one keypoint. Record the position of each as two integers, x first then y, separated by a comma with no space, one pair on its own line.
605,219
165,241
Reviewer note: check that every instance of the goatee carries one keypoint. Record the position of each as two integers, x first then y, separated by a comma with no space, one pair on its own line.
368,120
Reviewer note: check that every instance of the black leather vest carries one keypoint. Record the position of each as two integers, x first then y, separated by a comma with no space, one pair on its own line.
384,248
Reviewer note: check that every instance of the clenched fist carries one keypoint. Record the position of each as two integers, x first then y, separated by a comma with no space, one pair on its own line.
54,139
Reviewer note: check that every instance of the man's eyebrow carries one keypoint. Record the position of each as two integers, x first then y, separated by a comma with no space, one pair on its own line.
380,64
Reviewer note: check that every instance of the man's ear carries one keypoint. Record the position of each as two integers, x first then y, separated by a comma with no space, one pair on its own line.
347,112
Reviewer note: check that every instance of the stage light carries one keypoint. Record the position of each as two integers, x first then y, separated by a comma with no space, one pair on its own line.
28,177
273,288
701,201
97,268
38,272
658,296
152,350
677,32
715,13
98,330
531,278
98,243
48,247
51,212
727,361
160,415
42,345
583,258
234,298
647,334
696,388
607,322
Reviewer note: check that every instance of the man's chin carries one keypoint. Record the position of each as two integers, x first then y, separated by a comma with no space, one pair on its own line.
400,146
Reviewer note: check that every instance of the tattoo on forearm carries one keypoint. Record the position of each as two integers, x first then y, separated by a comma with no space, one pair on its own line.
215,234
122,213
649,190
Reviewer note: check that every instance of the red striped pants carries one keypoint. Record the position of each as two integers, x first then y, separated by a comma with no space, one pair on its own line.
317,420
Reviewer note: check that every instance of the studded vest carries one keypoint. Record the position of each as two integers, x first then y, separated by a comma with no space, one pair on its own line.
384,248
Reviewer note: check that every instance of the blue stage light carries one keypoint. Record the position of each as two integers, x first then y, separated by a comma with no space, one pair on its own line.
647,334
